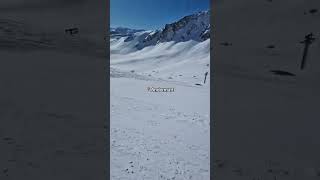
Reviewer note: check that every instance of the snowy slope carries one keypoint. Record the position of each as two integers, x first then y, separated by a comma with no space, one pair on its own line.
184,62
267,126
161,135
49,83
158,135
180,51
15,35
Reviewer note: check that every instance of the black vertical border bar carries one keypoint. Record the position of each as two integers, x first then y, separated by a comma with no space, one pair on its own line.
212,27
107,70
27,135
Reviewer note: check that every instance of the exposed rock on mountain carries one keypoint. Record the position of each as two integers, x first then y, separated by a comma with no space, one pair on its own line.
194,27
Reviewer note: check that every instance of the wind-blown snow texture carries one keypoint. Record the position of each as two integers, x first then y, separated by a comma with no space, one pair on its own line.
161,135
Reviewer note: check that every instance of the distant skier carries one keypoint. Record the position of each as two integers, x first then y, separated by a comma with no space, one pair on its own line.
205,77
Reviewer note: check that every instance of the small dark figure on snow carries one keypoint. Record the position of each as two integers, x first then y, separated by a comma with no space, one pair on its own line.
205,77
307,42
72,31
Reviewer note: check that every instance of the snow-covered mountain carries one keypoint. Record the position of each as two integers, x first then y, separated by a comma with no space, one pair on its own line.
194,27
122,31
161,135
179,51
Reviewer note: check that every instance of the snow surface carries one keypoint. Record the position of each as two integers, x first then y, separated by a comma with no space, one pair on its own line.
159,135
52,102
266,125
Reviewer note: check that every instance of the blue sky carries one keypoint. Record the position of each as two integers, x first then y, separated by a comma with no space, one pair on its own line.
152,14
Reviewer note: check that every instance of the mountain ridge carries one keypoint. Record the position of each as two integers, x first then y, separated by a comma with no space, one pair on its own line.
194,27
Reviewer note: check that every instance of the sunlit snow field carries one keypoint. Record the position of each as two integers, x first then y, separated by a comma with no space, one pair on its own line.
160,135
